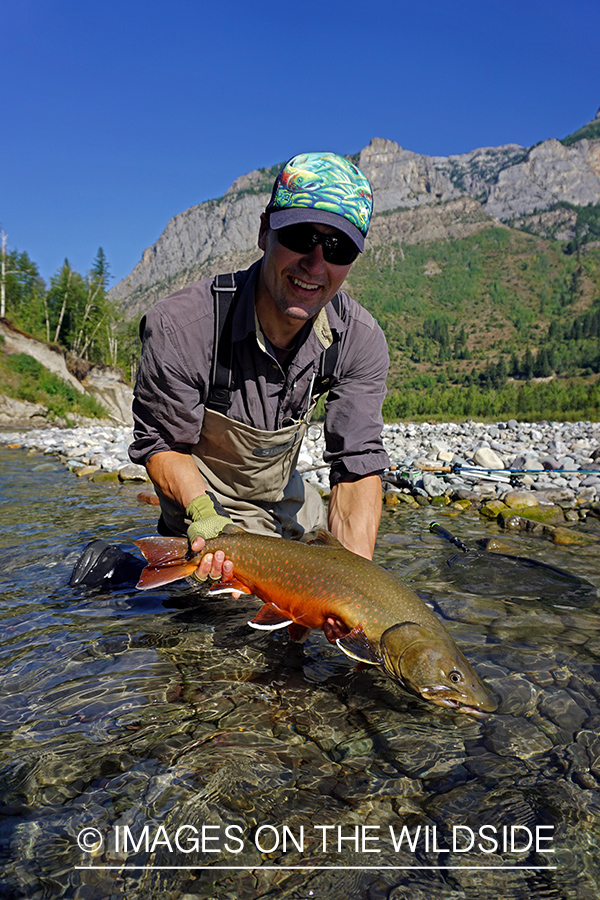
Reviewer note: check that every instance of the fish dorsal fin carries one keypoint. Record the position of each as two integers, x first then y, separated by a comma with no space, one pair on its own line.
357,646
269,618
322,538
233,529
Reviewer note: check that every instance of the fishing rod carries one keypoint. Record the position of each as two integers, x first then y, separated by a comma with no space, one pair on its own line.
477,469
407,477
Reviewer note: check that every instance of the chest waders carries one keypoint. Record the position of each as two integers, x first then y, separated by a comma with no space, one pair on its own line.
252,472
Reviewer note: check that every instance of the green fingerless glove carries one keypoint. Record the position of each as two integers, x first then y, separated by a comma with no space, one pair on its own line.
206,521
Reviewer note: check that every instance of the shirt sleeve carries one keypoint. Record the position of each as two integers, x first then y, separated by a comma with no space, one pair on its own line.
353,420
168,407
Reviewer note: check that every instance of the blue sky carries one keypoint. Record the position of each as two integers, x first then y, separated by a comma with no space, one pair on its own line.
118,115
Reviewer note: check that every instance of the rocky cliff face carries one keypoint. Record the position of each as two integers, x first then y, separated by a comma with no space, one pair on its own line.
416,198
402,178
219,235
549,173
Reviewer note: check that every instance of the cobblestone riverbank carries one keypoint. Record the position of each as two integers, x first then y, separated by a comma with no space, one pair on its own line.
504,466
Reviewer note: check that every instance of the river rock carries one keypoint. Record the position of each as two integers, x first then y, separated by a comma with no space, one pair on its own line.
545,515
411,446
492,509
522,739
571,536
133,472
552,494
82,471
487,458
527,463
434,486
564,712
520,499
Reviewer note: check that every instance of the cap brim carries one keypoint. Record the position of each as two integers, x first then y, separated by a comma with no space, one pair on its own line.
279,218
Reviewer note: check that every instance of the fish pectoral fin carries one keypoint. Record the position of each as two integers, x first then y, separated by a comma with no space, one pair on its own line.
357,646
228,587
269,618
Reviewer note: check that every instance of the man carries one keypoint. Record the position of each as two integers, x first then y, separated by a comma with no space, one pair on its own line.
226,386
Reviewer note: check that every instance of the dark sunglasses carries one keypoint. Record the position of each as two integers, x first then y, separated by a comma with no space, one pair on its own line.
338,249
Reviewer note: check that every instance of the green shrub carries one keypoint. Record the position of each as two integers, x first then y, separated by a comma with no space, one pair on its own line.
29,380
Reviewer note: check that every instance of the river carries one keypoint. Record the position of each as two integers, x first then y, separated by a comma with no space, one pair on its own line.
154,746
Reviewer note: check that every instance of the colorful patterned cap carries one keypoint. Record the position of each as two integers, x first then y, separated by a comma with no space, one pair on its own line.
323,188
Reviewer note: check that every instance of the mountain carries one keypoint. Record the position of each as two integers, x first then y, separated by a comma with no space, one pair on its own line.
417,199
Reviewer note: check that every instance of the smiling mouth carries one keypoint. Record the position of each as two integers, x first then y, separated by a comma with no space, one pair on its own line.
304,284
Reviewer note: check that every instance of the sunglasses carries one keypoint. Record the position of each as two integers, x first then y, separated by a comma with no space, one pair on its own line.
338,249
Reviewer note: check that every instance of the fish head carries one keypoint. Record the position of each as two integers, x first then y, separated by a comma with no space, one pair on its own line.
431,666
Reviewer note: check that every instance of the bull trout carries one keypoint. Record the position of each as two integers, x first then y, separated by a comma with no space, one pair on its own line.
306,584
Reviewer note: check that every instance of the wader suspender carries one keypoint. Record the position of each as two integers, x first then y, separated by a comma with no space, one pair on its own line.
219,396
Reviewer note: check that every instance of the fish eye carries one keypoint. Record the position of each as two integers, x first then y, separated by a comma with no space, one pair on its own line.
455,676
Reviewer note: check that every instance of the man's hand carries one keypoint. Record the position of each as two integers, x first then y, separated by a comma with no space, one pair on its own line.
177,476
208,523
213,566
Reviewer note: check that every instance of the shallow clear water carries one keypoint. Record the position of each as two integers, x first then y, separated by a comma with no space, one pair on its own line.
162,722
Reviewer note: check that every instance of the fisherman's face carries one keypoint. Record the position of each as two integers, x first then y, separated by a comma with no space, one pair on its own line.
298,284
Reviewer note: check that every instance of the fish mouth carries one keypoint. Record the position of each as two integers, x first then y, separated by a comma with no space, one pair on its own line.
456,704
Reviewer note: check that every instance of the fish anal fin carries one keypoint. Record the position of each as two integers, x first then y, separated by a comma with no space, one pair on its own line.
152,577
357,646
269,618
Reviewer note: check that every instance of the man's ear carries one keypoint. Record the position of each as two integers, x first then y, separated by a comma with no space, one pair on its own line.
262,232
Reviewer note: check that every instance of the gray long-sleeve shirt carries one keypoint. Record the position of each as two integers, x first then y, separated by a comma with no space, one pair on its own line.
174,378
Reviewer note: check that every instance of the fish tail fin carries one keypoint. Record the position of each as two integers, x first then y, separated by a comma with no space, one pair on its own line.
163,551
169,559
153,577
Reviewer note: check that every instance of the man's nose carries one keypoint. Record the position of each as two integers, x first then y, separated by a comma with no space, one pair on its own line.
314,261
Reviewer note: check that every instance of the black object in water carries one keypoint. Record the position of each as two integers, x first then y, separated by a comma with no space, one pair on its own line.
102,563
481,572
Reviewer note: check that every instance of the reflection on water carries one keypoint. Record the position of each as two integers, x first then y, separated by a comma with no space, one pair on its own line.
187,739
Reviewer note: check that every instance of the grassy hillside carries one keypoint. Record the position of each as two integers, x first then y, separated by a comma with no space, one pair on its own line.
481,313
24,378
591,132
